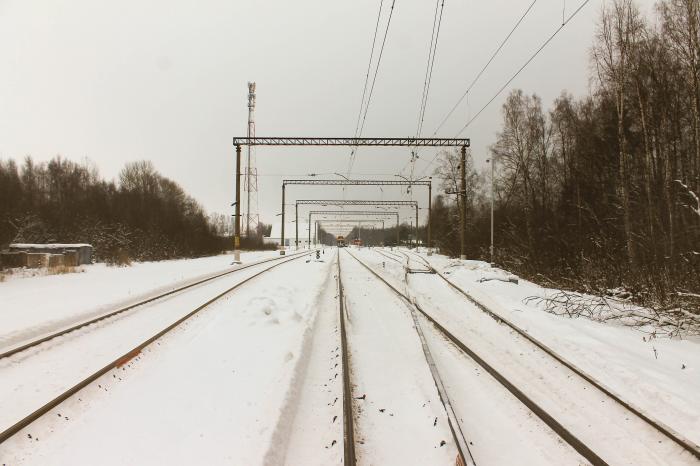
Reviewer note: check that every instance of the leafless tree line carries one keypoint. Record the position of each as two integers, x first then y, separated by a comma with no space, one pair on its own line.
601,192
143,215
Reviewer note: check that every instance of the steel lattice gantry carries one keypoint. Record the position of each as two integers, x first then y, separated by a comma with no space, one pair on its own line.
385,142
338,223
311,141
367,213
347,182
342,202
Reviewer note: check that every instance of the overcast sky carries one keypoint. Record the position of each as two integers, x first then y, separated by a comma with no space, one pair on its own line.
166,81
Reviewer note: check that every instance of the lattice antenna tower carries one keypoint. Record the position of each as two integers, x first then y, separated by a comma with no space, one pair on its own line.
250,185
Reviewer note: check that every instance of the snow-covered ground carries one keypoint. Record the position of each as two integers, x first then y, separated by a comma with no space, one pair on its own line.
660,376
396,401
219,390
255,378
34,305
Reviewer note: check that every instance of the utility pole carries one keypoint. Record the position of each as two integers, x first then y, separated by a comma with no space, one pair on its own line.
282,246
430,219
492,201
237,215
416,225
463,210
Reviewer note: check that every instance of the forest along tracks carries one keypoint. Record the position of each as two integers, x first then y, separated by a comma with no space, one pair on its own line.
401,412
74,352
598,424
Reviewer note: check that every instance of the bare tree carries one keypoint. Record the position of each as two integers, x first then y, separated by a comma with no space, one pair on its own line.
616,37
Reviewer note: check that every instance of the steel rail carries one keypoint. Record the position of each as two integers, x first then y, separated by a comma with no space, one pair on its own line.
348,425
671,434
73,328
548,419
428,270
389,257
464,455
121,360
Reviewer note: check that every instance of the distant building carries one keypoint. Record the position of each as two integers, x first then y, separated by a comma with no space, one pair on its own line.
78,254
289,234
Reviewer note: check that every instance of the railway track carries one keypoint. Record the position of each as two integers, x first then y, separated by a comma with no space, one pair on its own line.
464,456
124,358
681,441
46,338
565,434
348,424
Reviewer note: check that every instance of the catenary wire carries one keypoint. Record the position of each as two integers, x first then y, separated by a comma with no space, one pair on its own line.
529,60
374,81
483,69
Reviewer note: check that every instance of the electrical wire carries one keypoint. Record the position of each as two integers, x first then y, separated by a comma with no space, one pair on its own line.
429,65
374,81
529,60
532,57
369,67
481,72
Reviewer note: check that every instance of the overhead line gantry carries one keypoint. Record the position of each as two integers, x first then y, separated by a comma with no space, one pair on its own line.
362,213
347,182
342,202
313,141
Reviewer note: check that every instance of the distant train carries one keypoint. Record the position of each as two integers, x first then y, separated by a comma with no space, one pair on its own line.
340,241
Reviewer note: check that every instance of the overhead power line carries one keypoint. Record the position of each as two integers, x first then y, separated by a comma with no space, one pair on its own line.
430,65
532,57
369,67
529,60
481,72
374,80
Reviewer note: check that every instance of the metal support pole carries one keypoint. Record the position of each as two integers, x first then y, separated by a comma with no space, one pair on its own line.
309,225
492,201
463,212
237,223
296,226
398,225
430,218
282,238
416,241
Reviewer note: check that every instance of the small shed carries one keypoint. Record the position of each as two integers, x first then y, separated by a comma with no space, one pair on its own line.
79,253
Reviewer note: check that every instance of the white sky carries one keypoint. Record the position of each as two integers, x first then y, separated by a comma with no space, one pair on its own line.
166,81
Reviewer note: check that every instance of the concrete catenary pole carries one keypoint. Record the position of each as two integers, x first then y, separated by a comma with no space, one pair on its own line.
237,222
416,225
430,217
398,225
492,201
463,210
282,238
